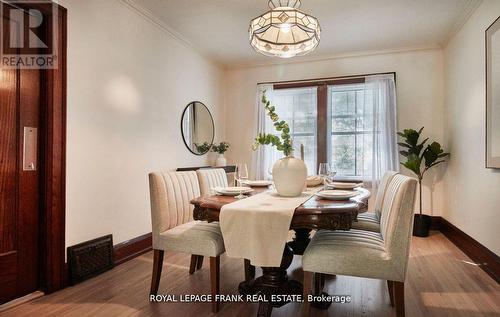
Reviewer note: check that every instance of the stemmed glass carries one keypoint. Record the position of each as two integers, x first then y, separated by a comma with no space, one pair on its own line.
326,171
241,174
323,170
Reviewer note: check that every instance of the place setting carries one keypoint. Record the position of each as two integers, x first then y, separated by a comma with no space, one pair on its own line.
335,190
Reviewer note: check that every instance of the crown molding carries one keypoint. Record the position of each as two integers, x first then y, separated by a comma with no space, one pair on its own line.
319,58
151,18
467,12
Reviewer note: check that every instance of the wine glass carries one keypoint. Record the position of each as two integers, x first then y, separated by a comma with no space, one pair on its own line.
326,172
241,174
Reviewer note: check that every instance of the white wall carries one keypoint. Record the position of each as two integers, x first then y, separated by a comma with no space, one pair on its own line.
472,191
420,86
128,82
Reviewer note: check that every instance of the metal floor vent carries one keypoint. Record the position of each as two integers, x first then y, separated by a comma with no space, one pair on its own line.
90,258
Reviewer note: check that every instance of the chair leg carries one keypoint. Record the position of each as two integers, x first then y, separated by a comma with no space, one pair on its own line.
399,298
390,287
199,264
192,265
157,266
214,280
249,270
307,284
317,283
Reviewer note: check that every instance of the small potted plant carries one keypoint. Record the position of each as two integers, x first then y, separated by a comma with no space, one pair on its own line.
221,148
417,153
289,173
202,148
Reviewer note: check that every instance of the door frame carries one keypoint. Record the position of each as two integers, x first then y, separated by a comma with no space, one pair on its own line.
52,267
52,249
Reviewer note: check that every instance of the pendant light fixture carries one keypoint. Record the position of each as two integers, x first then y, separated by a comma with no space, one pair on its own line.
284,31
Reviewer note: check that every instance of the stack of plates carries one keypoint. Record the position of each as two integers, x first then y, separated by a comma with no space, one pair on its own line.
232,191
339,185
261,183
336,194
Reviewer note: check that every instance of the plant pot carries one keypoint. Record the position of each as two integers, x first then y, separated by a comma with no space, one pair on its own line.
422,225
289,176
220,161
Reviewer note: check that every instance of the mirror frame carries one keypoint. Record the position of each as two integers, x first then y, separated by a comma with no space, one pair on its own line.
182,130
491,161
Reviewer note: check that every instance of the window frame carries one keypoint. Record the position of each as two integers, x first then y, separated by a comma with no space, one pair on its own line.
322,105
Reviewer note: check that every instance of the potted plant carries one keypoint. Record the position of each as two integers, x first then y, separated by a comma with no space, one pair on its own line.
417,153
202,148
289,173
221,148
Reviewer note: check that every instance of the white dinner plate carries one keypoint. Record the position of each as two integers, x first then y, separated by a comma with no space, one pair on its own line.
339,185
257,183
335,194
232,191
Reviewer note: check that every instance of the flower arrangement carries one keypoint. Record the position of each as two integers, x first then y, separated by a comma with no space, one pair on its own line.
221,148
283,142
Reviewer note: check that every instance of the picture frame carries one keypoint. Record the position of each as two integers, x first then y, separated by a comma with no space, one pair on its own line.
492,37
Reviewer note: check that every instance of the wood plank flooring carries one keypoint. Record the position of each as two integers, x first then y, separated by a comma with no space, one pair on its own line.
442,281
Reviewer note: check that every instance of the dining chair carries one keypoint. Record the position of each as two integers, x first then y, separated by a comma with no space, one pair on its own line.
371,220
175,230
369,254
210,178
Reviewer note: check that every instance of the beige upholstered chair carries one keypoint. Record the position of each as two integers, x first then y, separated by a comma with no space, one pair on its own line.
210,178
175,230
213,177
371,220
368,254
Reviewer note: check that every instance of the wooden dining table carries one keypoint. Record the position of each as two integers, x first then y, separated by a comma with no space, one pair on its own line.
313,214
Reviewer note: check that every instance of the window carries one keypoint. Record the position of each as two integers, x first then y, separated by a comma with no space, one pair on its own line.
350,129
298,107
349,122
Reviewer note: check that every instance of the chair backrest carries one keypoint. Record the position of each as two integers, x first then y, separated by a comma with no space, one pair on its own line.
396,224
170,194
210,178
382,188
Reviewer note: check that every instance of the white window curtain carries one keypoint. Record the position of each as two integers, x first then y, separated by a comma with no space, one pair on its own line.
380,149
262,158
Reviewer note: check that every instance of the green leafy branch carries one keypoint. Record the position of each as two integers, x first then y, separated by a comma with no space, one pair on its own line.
283,143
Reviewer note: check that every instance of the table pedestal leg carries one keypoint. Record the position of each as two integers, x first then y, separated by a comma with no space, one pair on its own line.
300,241
274,281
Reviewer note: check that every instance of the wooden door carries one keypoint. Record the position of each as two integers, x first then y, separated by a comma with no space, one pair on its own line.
20,132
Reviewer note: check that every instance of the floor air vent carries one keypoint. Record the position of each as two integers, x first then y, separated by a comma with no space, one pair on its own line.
88,259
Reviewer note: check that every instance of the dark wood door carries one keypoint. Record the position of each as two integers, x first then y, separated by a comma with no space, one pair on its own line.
20,130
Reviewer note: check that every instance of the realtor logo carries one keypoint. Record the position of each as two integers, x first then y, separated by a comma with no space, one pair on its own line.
28,35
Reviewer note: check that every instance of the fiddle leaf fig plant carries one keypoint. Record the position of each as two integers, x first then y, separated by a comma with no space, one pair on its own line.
417,153
283,143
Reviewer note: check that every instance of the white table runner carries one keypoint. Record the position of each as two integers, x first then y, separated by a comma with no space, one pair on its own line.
256,228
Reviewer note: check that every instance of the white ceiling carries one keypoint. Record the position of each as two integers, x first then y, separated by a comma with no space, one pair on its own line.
218,28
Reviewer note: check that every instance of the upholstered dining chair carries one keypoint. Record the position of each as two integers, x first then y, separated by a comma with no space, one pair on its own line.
371,220
369,254
211,177
175,230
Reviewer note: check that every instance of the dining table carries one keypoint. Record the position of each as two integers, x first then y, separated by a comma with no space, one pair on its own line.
314,214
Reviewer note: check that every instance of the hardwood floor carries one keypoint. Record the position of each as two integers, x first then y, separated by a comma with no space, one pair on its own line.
442,281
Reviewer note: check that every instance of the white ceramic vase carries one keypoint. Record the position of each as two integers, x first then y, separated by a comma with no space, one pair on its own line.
289,176
220,161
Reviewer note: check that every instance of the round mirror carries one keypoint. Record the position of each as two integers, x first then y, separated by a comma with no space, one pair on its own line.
198,128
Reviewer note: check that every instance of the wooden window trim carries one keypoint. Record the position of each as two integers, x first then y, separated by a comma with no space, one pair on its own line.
322,103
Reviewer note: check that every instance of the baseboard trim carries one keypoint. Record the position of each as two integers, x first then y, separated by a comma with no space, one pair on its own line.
127,250
485,258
